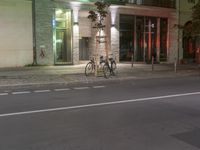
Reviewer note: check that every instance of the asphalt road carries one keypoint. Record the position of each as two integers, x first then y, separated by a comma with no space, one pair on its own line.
153,114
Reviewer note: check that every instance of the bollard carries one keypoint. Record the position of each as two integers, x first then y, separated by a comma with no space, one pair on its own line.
199,68
152,63
175,65
132,60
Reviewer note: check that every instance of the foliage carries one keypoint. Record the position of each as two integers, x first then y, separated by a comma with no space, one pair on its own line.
196,19
99,15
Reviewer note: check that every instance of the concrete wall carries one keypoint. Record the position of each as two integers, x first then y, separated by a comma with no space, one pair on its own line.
16,48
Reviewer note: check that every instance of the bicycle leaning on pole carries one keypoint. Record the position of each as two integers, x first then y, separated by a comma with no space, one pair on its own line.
90,67
109,68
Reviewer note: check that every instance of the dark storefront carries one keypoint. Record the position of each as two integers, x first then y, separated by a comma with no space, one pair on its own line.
143,37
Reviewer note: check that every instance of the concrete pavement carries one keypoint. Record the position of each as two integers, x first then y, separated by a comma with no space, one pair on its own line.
40,75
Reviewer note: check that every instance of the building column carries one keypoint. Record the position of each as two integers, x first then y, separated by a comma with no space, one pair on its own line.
158,41
115,33
75,45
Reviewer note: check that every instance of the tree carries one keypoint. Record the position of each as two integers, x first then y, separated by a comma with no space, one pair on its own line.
99,16
98,19
196,30
196,19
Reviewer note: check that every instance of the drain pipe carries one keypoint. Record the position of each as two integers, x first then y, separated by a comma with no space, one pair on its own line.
34,34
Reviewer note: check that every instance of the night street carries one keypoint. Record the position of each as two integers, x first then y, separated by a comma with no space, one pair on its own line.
145,114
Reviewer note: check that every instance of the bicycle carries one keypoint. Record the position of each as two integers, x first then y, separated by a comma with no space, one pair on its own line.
109,68
90,67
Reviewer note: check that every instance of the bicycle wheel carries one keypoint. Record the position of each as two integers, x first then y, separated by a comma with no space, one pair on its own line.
89,68
106,71
114,68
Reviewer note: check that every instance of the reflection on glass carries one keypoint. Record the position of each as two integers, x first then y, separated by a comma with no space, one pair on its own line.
140,38
126,37
163,39
151,33
139,34
61,46
63,36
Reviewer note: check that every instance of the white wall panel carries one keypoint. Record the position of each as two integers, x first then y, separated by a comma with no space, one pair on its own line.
16,48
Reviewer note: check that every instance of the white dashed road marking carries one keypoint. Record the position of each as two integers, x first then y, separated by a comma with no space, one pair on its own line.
57,90
42,91
81,88
46,91
3,94
23,92
98,87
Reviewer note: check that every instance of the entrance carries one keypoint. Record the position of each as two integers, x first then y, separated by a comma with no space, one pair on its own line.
84,48
62,37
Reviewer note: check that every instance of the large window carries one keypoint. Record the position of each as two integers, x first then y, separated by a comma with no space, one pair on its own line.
62,36
126,36
163,38
159,3
143,37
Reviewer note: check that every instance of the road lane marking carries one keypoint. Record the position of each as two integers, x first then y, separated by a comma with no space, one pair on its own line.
81,88
66,89
45,91
97,104
98,87
3,94
42,91
22,92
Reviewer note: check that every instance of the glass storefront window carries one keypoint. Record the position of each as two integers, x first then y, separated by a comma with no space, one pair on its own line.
158,3
139,35
163,38
126,37
62,37
139,52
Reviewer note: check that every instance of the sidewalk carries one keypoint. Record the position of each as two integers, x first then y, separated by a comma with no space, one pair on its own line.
75,74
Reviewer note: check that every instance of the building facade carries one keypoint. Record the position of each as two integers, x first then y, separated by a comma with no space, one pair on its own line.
64,34
58,32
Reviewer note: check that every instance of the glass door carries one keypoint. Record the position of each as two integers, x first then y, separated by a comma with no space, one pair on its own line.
62,37
150,38
84,48
126,37
139,54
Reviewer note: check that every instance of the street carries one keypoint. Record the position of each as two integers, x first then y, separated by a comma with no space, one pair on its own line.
144,114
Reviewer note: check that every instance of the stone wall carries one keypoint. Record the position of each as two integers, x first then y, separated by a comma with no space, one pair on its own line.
44,31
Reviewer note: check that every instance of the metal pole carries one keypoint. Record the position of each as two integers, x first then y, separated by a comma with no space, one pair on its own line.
132,60
34,33
178,40
175,65
152,63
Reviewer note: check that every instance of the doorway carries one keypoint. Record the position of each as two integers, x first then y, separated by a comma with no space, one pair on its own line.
84,48
62,37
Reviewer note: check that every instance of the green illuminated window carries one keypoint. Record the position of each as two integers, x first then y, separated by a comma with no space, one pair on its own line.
62,36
